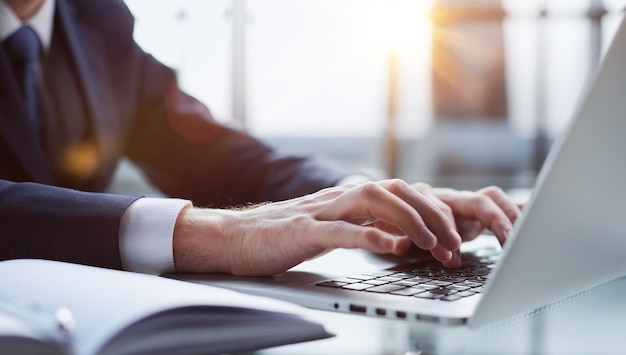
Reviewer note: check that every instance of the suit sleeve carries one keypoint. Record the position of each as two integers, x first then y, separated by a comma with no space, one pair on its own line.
187,154
41,221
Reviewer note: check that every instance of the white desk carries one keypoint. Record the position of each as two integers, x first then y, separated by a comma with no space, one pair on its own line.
591,323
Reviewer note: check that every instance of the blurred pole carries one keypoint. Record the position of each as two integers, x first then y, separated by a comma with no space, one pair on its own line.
595,14
239,62
541,144
392,148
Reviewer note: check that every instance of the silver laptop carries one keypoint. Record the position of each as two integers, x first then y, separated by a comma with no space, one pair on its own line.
571,237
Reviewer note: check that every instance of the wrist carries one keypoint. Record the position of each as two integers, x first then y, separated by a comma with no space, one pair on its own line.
201,240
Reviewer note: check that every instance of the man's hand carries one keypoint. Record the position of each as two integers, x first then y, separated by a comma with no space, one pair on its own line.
383,217
473,212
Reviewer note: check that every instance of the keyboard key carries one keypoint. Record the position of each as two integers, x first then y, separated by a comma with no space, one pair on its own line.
478,289
409,291
442,291
481,272
362,277
470,284
405,283
452,279
375,282
458,287
345,280
423,273
357,286
428,295
403,275
450,298
465,293
419,279
331,284
379,273
390,278
440,283
385,288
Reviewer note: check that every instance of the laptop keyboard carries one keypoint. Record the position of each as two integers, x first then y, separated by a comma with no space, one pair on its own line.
427,279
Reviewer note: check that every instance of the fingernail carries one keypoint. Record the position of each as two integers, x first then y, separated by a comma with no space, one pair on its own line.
456,260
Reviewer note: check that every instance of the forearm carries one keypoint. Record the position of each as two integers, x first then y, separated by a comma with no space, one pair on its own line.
41,221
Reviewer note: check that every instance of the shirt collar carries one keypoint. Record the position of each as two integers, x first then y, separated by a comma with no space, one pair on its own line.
41,22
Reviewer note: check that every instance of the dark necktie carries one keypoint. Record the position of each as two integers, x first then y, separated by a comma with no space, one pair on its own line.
23,46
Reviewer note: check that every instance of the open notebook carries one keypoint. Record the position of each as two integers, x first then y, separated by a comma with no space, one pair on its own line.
50,307
570,238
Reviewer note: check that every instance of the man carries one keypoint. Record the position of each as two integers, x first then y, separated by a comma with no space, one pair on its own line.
99,98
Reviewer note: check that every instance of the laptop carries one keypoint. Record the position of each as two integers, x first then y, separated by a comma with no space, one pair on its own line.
570,238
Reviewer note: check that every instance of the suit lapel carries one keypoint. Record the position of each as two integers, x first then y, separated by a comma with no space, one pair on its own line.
15,129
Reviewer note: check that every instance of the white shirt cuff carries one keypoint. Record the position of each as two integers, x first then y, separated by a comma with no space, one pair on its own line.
146,234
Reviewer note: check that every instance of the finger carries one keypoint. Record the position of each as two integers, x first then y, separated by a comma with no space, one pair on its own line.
341,234
372,199
490,215
508,206
433,215
427,191
403,241
480,207
403,245
454,262
388,227
441,253
469,229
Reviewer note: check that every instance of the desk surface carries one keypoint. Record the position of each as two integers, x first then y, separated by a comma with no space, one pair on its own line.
593,322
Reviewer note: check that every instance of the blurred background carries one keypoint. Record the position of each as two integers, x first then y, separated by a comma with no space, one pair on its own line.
458,93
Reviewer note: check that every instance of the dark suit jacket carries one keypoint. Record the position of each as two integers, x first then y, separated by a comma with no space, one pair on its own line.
108,99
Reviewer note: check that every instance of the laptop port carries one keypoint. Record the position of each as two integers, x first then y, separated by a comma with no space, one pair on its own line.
358,309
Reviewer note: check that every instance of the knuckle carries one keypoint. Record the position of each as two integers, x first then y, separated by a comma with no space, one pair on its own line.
492,215
492,191
397,185
369,189
300,220
489,214
481,200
